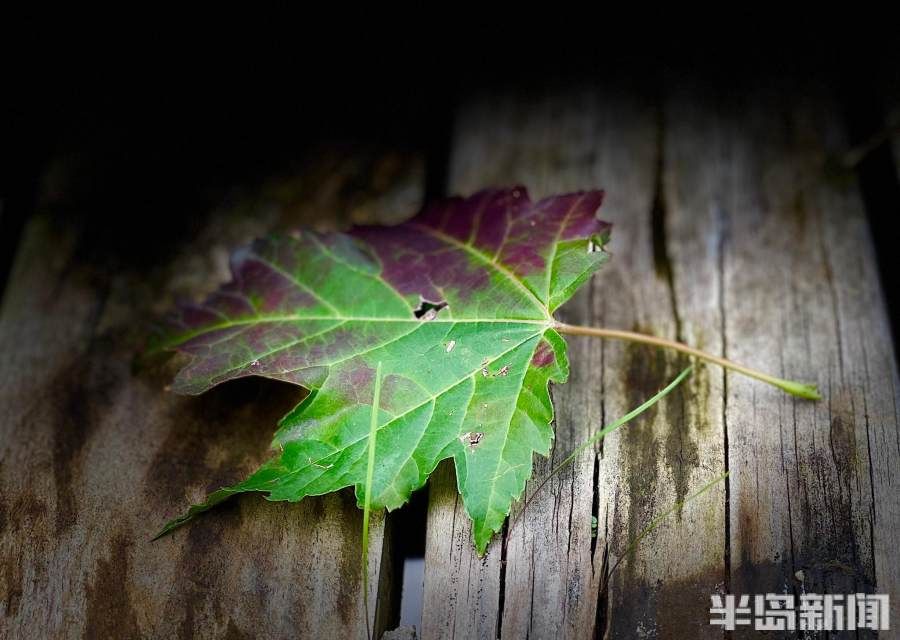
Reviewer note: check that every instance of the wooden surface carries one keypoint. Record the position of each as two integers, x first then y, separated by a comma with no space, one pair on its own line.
95,459
730,233
733,232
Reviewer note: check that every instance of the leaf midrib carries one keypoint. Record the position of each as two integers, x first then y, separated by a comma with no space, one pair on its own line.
344,319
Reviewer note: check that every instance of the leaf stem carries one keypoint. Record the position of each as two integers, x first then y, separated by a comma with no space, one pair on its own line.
799,389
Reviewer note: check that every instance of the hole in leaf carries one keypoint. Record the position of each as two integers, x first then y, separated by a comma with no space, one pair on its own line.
428,310
472,438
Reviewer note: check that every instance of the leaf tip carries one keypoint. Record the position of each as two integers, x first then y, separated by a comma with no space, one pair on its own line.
481,542
799,389
170,526
483,532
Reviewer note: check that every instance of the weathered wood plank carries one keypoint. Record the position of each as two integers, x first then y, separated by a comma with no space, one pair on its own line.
95,459
666,283
729,234
814,505
553,570
461,596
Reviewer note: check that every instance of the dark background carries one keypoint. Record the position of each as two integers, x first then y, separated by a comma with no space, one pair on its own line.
160,134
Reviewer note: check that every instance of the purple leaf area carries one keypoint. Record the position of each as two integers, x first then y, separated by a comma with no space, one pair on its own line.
434,252
455,305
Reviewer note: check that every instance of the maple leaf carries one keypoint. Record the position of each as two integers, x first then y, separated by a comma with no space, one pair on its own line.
454,308
456,305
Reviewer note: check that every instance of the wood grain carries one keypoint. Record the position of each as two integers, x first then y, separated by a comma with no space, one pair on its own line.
813,500
95,458
553,567
732,233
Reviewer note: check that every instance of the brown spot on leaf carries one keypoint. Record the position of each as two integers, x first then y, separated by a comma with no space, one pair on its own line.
472,438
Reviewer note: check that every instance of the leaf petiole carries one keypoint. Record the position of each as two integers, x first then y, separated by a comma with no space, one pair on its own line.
799,389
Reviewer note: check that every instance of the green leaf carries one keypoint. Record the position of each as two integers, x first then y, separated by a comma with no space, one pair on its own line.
456,306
